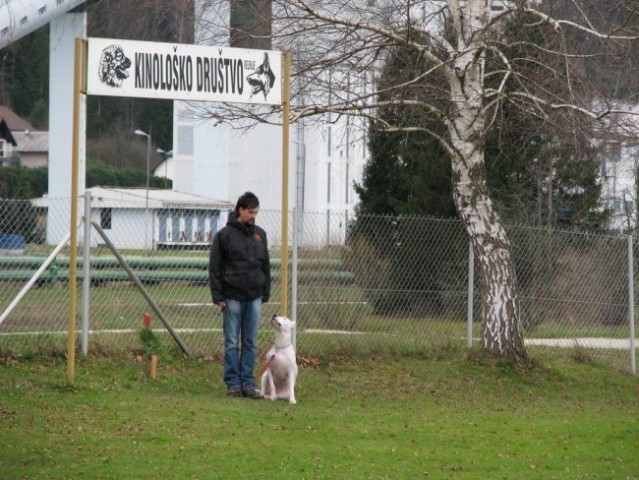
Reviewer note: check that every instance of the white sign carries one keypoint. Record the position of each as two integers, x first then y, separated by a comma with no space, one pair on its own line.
125,68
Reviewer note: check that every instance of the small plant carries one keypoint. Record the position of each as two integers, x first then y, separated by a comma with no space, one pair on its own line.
580,355
150,342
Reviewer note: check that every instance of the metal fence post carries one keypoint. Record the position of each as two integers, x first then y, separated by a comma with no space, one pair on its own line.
294,275
631,307
471,291
86,270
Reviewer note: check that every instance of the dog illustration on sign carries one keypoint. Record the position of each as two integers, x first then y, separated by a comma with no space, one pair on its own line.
262,79
114,66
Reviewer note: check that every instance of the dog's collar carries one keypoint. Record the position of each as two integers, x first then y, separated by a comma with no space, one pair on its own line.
285,346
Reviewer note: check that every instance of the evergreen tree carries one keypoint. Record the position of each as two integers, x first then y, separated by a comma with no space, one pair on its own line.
408,173
25,72
537,176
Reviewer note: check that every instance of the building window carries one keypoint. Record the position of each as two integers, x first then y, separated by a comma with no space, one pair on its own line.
105,219
251,24
630,207
616,205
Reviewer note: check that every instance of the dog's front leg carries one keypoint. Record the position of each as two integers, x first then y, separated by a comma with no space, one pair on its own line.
263,387
291,385
268,386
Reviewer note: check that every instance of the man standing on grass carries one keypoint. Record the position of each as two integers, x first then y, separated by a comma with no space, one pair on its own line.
240,280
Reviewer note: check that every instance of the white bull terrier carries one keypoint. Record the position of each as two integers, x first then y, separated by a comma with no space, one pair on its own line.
278,380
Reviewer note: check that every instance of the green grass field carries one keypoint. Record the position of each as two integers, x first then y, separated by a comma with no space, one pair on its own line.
444,414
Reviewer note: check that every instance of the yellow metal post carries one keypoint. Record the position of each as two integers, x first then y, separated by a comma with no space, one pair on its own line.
286,106
78,86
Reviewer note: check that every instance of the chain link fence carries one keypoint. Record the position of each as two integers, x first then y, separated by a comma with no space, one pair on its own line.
362,284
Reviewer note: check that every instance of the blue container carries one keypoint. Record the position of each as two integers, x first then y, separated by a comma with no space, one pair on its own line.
10,243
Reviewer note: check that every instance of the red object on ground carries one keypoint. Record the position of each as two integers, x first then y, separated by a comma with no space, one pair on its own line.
146,319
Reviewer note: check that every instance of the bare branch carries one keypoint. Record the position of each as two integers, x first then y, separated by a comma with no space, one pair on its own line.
558,24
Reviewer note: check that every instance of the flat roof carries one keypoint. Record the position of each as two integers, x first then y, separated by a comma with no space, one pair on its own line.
112,197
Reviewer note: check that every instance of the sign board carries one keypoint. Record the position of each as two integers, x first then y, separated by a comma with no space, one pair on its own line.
124,68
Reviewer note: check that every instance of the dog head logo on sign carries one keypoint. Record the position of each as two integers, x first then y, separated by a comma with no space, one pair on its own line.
262,79
114,66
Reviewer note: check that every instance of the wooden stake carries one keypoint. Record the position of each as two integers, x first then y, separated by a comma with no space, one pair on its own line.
154,367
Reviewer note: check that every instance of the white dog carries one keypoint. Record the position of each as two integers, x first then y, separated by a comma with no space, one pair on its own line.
278,380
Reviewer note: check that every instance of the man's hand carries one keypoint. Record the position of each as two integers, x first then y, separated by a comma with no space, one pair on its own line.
221,304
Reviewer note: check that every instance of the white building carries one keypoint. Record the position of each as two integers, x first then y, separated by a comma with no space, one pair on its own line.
619,165
222,162
149,219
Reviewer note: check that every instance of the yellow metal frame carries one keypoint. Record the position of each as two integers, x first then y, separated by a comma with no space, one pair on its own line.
286,107
79,87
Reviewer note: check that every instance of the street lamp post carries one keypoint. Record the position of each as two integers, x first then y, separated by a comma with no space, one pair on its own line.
148,162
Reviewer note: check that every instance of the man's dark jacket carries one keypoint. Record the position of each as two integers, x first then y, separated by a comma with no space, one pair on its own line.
239,265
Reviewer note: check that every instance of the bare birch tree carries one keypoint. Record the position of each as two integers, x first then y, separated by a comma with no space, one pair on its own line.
339,45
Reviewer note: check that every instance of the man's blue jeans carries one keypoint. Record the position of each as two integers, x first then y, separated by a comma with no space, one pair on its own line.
241,322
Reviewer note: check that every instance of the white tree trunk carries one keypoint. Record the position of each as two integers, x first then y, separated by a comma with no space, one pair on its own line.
500,333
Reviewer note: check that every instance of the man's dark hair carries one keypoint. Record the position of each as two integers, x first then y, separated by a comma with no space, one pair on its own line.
247,200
